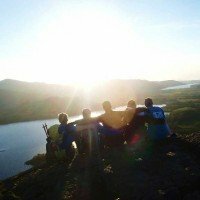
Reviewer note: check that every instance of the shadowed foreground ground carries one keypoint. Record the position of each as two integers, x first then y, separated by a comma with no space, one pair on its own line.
166,170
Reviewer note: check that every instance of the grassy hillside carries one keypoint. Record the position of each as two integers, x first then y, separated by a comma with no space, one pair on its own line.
184,108
169,83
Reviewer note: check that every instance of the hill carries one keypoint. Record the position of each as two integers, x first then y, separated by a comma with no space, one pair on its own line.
23,101
169,83
147,170
164,170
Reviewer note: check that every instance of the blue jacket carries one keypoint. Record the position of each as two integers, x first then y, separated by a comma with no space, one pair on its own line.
157,127
66,131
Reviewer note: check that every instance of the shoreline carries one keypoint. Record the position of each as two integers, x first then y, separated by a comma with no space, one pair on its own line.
72,116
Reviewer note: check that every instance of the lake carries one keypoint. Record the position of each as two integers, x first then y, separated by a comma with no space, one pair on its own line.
21,141
180,86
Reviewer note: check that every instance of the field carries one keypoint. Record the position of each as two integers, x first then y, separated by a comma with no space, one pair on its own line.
184,108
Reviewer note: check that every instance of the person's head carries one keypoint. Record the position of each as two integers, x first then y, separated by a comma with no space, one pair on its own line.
86,113
148,102
63,118
131,104
107,106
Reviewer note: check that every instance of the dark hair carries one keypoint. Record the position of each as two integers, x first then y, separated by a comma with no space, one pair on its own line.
86,112
131,104
148,102
62,117
106,105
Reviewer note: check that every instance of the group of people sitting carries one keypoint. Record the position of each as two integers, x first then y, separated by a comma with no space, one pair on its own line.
113,128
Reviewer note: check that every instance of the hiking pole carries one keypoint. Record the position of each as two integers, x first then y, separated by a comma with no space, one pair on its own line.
47,130
44,126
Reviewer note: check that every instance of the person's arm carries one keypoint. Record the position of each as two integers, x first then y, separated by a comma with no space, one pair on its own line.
142,114
122,114
72,123
86,121
100,118
127,116
84,127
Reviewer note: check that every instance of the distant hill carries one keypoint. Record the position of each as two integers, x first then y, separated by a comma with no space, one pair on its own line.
43,89
22,101
191,82
169,83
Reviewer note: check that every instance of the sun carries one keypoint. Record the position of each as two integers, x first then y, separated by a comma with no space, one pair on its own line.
85,48
87,84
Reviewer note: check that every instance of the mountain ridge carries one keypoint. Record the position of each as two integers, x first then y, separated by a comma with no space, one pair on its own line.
22,101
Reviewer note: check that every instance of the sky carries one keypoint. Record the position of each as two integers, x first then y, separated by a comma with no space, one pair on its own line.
68,41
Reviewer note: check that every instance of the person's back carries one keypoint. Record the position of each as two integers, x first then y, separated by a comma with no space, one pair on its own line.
139,118
112,126
157,126
112,119
135,129
129,112
87,137
155,115
65,131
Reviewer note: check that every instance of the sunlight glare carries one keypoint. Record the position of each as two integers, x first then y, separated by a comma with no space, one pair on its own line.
87,47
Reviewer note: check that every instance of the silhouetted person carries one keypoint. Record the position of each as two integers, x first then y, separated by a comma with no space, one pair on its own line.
112,125
110,118
131,104
66,131
130,111
135,123
87,137
157,126
86,113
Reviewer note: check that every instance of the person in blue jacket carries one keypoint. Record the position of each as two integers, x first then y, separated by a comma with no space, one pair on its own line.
157,128
65,131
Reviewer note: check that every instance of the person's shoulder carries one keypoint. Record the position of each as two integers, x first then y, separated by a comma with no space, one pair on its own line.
60,128
141,109
101,116
70,125
118,112
115,112
157,108
130,109
80,121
